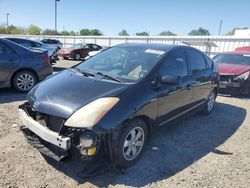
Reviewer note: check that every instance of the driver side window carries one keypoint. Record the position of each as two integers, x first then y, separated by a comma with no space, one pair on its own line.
175,64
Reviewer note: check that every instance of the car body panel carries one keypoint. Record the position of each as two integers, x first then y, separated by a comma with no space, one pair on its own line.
232,69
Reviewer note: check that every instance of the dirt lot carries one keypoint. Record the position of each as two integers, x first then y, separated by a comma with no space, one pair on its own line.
202,151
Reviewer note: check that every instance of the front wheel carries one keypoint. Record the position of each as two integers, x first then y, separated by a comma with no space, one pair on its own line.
132,142
210,103
77,56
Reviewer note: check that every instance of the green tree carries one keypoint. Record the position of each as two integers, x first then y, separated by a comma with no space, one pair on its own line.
49,32
2,29
34,30
167,33
96,32
72,33
144,33
85,32
123,33
199,32
233,30
13,30
65,33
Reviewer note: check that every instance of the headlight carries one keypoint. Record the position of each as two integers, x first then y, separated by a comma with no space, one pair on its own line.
92,113
243,76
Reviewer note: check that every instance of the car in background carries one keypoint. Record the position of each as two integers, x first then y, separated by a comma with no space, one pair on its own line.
243,49
20,67
53,42
78,51
234,68
52,53
112,101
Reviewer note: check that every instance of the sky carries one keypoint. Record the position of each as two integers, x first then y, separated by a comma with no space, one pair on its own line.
111,16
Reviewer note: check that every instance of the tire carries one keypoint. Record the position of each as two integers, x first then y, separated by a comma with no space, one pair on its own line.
77,56
210,103
65,58
24,81
130,149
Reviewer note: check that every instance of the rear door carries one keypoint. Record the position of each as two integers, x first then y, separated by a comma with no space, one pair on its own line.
201,83
8,61
174,100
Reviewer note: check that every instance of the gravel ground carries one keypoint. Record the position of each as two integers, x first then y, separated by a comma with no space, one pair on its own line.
201,151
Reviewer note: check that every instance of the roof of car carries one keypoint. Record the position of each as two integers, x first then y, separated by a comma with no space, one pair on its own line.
162,47
236,53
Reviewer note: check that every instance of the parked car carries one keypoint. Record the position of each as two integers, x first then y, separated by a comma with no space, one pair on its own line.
112,101
243,49
93,53
78,51
21,67
53,42
37,46
234,68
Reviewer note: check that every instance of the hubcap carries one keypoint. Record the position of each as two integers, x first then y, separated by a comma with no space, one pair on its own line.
25,82
211,101
133,143
78,56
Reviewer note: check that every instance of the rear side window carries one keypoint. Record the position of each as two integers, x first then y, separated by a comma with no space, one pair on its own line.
197,61
4,49
209,62
175,64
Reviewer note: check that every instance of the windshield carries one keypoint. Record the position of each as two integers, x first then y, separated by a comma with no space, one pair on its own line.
241,59
76,46
127,64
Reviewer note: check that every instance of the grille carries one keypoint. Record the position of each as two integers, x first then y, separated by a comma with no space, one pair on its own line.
227,78
52,122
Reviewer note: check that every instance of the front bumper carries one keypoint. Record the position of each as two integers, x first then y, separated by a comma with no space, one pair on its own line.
235,87
43,132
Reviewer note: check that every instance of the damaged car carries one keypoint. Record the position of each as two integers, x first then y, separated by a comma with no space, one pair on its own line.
234,68
112,102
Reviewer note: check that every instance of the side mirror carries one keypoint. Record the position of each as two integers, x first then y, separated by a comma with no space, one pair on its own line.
171,79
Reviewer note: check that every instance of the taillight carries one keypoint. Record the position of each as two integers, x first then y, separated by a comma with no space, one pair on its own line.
46,59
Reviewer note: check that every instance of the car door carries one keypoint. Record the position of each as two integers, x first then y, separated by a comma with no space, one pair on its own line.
85,50
8,62
174,100
201,83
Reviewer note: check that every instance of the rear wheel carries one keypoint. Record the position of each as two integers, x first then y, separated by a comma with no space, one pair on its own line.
65,58
77,56
132,143
210,103
23,81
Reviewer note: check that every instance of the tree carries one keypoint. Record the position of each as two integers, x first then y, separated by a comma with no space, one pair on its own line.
65,33
232,32
123,33
2,29
72,33
144,33
85,32
34,30
199,32
49,32
13,30
167,33
92,32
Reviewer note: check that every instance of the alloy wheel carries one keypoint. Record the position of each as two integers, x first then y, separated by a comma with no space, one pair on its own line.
25,82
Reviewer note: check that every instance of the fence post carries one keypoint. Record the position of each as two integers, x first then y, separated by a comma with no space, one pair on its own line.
109,41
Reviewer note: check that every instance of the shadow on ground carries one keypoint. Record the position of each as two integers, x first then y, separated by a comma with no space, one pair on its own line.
178,145
8,95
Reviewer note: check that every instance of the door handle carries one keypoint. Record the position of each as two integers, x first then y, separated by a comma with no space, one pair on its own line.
11,60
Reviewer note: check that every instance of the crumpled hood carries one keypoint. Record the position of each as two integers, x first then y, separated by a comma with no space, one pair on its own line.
232,69
66,92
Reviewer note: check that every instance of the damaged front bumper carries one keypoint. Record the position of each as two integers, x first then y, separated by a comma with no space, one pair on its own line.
235,87
57,145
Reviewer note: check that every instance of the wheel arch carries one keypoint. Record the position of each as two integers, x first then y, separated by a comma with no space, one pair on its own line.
23,69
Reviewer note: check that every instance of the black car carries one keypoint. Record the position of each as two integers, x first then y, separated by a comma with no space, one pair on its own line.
21,67
111,102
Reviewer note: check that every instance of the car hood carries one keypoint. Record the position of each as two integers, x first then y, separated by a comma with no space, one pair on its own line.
64,93
232,69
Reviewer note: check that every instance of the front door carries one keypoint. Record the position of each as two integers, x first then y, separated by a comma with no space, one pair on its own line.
175,99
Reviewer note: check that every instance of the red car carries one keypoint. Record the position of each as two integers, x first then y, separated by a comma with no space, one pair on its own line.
234,68
78,51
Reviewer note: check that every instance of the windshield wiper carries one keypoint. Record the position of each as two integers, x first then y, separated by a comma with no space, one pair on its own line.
110,77
86,73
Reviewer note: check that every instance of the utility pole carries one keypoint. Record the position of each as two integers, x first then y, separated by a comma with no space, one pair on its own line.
220,27
56,16
7,22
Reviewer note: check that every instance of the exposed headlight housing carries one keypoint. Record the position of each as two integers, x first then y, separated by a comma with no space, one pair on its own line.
243,76
92,113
